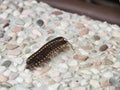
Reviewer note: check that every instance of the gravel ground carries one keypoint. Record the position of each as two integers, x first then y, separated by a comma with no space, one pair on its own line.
26,25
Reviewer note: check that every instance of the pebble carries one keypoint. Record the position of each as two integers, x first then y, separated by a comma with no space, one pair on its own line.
94,70
28,80
15,52
94,83
80,88
84,32
83,82
105,83
4,22
13,75
11,46
54,86
103,47
17,28
2,69
40,22
1,34
19,79
73,63
62,67
56,73
107,62
36,32
51,31
6,63
20,22
108,74
42,71
57,13
96,37
3,78
80,25
80,57
7,38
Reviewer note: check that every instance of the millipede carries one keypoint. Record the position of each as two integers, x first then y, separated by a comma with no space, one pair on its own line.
46,52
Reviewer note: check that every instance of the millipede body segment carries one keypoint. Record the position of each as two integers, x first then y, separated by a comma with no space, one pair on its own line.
46,52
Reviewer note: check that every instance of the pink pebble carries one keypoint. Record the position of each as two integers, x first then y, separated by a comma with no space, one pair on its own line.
3,78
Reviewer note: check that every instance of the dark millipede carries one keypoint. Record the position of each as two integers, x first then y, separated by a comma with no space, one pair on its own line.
46,52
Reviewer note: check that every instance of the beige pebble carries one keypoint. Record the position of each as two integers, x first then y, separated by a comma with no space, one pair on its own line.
80,57
3,7
51,31
42,71
57,13
15,52
11,46
97,63
3,78
84,32
105,83
94,83
17,28
80,25
107,62
103,47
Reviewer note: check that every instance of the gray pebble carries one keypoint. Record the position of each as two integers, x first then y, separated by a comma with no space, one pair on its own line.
96,37
40,22
2,34
6,63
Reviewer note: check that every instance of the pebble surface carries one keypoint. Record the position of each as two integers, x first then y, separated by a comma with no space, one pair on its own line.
25,25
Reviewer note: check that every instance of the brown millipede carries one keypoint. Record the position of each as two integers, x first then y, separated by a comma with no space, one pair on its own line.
46,52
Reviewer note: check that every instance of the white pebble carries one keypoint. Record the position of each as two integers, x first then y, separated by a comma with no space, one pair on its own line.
19,79
94,70
62,68
54,86
73,63
108,74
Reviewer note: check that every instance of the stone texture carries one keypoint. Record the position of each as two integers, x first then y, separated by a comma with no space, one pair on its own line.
17,28
103,47
80,57
11,46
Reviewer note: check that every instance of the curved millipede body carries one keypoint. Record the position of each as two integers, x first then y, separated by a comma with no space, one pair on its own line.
46,52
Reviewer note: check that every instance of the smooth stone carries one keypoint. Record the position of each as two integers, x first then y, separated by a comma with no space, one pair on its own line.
36,32
105,83
74,84
80,57
108,74
13,75
3,88
18,60
54,86
107,62
15,52
96,37
80,25
80,88
7,38
17,28
73,63
20,22
94,83
7,72
51,31
83,82
94,70
40,22
67,75
103,47
57,13
28,80
19,79
4,22
3,78
116,65
11,46
2,69
62,67
27,50
84,32
42,71
2,34
6,84
6,63
56,73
